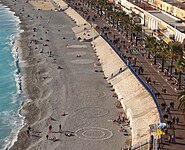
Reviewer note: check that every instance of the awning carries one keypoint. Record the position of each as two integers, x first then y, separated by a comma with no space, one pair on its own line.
162,27
110,1
167,40
158,33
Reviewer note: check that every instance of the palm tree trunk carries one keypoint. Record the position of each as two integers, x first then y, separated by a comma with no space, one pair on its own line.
149,54
91,5
97,9
113,21
163,60
179,80
83,2
136,38
88,4
171,67
117,24
105,15
101,11
130,35
155,58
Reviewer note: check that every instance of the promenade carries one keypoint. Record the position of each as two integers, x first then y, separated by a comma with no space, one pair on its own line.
158,81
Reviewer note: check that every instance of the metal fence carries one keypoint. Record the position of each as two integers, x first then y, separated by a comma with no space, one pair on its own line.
138,77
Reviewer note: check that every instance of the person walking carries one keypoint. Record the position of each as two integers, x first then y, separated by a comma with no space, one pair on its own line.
29,128
47,136
173,138
60,128
177,120
173,120
172,104
28,132
169,138
50,128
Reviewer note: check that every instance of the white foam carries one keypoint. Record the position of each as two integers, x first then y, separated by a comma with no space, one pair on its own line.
14,119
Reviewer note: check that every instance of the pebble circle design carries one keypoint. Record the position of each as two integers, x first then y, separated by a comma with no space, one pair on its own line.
93,133
93,94
77,53
82,61
84,71
92,112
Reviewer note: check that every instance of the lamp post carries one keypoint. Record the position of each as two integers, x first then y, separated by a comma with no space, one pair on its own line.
153,137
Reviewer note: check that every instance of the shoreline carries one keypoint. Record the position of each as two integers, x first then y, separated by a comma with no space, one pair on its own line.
9,141
19,82
19,78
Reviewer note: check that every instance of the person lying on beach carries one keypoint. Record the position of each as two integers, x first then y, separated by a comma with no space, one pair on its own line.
69,134
29,128
54,139
63,114
28,132
122,129
78,56
59,67
51,118
50,128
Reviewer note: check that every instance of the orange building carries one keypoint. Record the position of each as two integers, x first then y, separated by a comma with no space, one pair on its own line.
173,7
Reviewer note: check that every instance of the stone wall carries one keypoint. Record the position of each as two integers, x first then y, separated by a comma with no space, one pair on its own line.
136,100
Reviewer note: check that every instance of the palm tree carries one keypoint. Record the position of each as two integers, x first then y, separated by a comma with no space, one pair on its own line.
149,42
175,49
179,66
124,20
138,30
181,99
102,5
155,50
108,15
131,28
119,16
163,52
113,15
91,3
126,25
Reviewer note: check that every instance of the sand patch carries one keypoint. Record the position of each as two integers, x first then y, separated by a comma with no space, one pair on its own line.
42,5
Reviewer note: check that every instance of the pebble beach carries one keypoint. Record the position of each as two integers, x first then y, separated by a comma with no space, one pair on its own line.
61,85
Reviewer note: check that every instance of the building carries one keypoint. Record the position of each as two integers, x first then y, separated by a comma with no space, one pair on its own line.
165,26
173,7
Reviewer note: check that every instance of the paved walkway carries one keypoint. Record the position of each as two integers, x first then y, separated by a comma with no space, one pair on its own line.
151,71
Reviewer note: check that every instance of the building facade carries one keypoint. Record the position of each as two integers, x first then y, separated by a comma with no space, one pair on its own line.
165,26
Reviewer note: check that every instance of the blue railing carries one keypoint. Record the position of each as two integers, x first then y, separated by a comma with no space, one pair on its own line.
138,77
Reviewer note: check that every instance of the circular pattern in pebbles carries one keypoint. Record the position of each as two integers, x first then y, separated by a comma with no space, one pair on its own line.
92,112
77,53
82,61
93,133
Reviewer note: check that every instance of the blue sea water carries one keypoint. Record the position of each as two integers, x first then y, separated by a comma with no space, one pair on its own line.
10,95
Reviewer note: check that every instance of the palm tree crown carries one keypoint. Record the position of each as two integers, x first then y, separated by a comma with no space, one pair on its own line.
181,99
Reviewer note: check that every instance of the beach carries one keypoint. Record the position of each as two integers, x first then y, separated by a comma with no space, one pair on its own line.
61,86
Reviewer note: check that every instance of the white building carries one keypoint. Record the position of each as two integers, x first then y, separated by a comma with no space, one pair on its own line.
169,26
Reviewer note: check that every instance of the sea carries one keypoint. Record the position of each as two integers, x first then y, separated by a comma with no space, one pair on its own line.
10,79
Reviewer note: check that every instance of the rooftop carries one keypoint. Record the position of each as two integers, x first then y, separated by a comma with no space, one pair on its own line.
177,3
142,4
162,16
169,20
